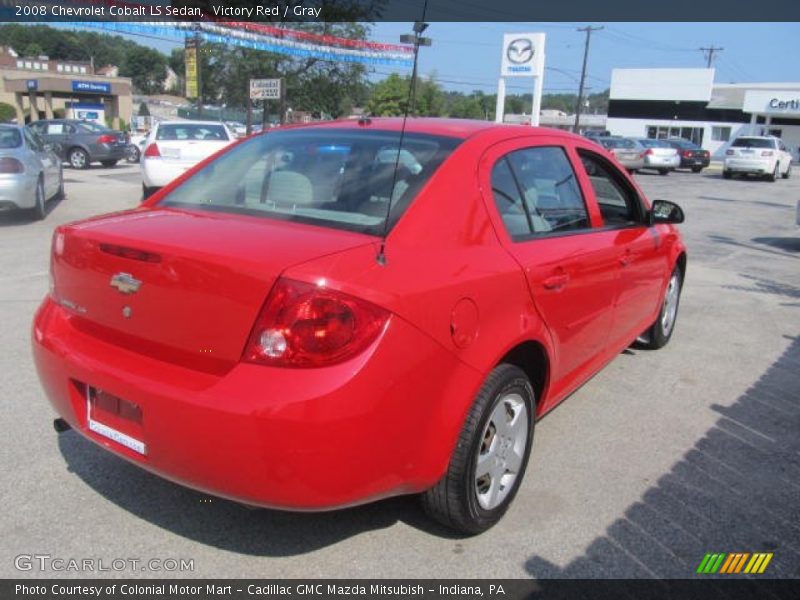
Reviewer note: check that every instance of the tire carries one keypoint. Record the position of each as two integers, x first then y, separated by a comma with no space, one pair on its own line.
466,500
660,332
39,210
108,163
727,174
148,191
696,169
133,154
78,159
663,171
60,193
788,172
774,176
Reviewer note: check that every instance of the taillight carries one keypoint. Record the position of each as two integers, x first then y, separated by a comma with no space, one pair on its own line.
106,139
11,165
729,152
686,153
152,151
766,153
306,325
647,152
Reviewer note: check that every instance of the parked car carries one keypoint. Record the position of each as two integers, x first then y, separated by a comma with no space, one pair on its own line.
659,155
136,147
628,152
692,156
238,129
765,156
173,147
81,143
298,323
30,172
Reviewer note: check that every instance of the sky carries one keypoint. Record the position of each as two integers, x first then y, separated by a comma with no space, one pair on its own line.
466,56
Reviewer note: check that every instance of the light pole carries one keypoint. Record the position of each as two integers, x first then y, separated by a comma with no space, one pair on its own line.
416,39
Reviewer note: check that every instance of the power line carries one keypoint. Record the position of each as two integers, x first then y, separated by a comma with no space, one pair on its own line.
709,54
588,29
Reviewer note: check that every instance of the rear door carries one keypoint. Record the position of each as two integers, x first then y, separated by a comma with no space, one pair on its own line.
548,227
51,165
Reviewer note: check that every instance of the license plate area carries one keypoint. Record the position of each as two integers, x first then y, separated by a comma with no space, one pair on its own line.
115,418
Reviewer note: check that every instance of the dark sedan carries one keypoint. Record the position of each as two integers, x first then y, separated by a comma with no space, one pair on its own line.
692,156
82,142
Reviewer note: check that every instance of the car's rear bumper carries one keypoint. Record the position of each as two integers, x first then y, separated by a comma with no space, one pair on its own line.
18,190
661,162
379,425
103,152
157,172
758,166
697,161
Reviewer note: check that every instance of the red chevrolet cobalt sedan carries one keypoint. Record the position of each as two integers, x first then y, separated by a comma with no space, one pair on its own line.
326,315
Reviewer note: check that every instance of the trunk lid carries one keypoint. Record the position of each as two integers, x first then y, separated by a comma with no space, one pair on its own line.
180,286
189,152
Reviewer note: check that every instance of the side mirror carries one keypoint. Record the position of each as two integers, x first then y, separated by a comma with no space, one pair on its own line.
664,211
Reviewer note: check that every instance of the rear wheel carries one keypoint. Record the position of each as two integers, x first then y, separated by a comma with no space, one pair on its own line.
489,460
39,211
727,174
108,163
788,172
660,332
774,175
78,158
148,191
663,171
696,169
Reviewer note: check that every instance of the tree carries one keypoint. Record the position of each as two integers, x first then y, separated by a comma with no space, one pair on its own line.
466,107
146,67
389,97
7,112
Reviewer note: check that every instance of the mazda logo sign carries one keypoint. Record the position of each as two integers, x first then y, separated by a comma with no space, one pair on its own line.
519,51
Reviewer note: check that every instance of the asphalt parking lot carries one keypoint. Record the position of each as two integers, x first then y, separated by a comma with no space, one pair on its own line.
662,457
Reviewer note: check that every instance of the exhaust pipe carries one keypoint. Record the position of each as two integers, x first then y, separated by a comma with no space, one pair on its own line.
60,425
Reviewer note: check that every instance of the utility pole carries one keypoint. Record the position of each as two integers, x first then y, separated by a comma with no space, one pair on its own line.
709,54
589,29
416,39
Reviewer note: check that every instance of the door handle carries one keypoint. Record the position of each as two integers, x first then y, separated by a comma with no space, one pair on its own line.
555,282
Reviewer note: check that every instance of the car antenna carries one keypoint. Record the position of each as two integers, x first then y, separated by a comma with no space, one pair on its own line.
417,39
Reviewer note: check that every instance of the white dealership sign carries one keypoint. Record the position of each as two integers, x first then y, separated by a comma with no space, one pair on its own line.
772,102
265,89
523,56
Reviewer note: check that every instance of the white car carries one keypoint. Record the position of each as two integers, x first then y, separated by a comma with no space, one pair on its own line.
766,156
174,147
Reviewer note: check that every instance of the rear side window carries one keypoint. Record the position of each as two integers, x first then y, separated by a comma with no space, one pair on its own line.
340,178
618,202
10,138
536,193
193,132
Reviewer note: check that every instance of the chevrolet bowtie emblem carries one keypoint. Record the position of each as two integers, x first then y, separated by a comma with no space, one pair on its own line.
125,283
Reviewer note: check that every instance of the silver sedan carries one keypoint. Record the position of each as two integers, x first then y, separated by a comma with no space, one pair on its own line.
629,153
30,173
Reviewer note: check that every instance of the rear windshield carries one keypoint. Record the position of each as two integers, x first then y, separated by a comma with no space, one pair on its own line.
10,138
648,143
179,132
337,178
752,143
618,143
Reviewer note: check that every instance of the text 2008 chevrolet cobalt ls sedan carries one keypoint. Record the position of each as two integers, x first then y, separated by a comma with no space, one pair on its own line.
325,315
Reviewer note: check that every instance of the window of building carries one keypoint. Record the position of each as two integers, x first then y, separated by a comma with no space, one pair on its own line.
720,134
28,64
20,64
661,132
59,67
83,69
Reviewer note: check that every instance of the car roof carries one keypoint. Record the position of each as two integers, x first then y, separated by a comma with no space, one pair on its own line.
457,128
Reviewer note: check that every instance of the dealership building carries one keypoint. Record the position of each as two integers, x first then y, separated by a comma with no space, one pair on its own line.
661,103
41,87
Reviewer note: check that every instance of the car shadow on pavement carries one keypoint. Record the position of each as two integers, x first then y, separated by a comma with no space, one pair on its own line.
225,524
736,490
788,244
13,218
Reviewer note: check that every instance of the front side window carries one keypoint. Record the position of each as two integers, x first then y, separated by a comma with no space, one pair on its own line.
618,202
535,191
340,178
